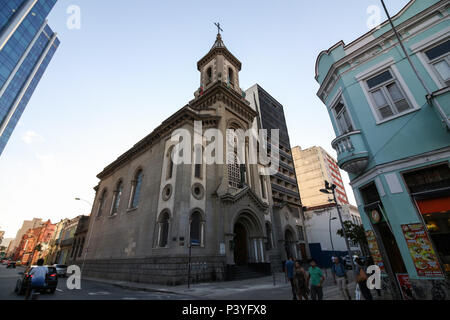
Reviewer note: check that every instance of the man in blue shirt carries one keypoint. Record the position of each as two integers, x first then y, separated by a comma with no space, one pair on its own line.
289,268
340,277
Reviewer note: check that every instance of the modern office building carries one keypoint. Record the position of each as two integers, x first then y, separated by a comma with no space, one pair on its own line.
283,184
314,166
27,45
390,112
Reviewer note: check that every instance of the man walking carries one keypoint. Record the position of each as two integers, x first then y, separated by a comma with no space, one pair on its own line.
316,279
340,278
289,268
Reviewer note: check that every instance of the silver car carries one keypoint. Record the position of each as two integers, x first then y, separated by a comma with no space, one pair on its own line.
61,270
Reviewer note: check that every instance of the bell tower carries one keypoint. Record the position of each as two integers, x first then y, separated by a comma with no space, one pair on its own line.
219,65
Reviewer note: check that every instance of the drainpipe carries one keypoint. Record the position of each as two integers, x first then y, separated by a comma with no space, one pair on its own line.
430,97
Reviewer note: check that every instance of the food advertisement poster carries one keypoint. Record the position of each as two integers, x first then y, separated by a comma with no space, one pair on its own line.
374,250
421,250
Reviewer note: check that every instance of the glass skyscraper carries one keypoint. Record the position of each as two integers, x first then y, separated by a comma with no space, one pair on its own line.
27,45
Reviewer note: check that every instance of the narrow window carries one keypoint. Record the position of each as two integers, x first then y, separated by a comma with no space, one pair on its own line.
164,230
387,95
439,58
198,162
101,203
137,183
234,170
169,164
209,75
195,229
342,118
117,196
231,77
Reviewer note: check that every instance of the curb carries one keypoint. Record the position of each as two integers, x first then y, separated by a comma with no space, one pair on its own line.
131,287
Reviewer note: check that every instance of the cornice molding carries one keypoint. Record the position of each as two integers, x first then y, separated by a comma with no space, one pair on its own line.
220,92
219,51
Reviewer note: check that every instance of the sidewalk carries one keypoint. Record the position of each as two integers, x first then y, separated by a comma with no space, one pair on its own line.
218,290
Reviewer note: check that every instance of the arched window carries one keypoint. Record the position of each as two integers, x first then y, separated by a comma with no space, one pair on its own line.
116,198
231,77
136,189
209,75
169,156
196,232
101,203
163,230
234,170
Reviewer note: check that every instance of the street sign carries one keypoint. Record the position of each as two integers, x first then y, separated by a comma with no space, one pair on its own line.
195,243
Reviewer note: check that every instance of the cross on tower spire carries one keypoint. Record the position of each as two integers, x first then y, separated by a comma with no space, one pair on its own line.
218,27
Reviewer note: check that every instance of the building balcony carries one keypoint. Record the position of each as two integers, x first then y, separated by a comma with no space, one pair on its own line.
353,154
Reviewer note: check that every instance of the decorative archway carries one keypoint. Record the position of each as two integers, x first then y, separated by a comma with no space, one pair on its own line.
290,243
248,239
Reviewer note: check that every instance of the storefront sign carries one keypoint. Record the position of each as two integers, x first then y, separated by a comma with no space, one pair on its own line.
374,250
405,286
421,250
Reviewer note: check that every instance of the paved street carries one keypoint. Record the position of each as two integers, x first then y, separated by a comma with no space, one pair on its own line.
90,290
99,289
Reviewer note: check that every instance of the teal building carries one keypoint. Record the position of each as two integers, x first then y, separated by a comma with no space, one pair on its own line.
393,138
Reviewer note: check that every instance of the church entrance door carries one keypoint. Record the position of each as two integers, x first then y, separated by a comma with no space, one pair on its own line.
241,245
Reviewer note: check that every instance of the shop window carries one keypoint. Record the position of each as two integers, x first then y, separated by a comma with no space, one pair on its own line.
430,189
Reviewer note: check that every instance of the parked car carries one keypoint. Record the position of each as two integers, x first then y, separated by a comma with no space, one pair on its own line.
11,265
61,270
51,281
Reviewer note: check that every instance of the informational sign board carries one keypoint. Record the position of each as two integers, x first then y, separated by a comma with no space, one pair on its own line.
222,249
421,250
375,250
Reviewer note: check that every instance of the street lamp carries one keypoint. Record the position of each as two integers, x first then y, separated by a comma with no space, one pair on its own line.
90,233
331,189
329,227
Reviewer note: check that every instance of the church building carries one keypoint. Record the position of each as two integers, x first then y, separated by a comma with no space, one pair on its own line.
151,213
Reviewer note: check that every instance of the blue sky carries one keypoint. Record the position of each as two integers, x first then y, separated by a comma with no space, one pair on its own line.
133,63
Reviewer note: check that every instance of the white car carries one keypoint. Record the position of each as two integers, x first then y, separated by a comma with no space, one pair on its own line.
61,270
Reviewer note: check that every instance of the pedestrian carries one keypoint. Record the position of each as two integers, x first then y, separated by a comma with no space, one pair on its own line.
361,279
300,278
38,277
316,279
340,278
289,269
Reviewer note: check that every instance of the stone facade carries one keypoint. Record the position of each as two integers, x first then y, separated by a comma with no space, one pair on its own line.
149,209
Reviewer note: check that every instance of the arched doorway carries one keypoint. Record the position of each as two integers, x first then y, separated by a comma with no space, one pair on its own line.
240,244
289,244
248,240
